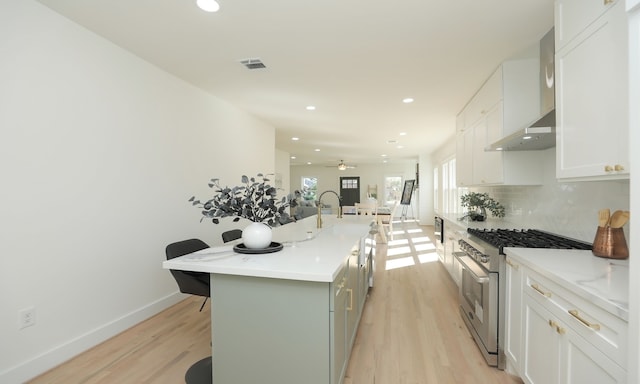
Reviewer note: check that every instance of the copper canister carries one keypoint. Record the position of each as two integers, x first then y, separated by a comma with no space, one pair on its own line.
610,243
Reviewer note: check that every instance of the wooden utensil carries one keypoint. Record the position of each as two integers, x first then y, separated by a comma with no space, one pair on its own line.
603,217
619,218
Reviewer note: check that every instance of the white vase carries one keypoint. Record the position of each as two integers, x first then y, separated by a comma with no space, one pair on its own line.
257,236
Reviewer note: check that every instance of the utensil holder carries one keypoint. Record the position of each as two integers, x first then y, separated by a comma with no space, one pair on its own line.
610,243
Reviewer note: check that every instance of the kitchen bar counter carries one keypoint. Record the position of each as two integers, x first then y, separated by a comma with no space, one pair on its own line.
604,282
289,316
309,253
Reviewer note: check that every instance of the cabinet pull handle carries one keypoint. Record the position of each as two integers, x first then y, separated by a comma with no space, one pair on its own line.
608,168
585,322
350,292
607,2
558,328
618,168
540,291
513,265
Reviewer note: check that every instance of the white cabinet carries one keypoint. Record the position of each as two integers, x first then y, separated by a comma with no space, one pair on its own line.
562,337
555,353
464,158
574,16
451,263
513,316
591,90
452,234
507,101
541,345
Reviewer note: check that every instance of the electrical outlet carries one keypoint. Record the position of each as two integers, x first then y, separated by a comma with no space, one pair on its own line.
27,317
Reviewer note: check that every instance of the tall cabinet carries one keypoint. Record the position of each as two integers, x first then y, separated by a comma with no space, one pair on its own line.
591,89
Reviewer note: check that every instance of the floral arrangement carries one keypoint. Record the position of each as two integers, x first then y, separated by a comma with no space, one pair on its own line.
254,200
482,201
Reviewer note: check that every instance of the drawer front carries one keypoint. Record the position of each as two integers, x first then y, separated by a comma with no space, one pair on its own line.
600,328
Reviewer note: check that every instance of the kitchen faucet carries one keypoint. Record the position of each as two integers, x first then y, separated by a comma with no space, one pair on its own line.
319,221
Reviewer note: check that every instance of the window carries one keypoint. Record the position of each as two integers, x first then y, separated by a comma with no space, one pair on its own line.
309,188
392,189
436,188
445,189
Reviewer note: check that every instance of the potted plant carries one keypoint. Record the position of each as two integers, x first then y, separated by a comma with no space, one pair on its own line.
255,200
477,205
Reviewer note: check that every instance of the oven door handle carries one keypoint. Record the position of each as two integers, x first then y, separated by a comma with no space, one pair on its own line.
478,274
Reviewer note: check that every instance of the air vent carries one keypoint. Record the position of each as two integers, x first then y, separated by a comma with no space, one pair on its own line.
253,63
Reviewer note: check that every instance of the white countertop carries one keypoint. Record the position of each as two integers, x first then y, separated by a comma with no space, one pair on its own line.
604,282
309,253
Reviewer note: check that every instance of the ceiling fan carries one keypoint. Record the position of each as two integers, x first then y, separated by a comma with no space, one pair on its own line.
342,166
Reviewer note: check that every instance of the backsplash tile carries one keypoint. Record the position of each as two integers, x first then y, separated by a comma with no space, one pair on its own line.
567,208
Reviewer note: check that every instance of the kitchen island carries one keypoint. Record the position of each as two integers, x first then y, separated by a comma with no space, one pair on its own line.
288,316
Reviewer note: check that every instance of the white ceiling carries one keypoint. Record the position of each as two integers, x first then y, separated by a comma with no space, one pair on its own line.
355,60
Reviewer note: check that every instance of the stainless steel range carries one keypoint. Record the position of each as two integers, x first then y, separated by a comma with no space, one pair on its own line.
482,289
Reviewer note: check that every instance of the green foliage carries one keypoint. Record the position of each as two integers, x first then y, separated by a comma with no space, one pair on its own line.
255,199
473,200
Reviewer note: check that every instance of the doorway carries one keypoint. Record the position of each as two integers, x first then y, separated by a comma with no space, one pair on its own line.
350,190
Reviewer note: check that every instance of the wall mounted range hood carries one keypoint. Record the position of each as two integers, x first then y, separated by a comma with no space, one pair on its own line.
541,133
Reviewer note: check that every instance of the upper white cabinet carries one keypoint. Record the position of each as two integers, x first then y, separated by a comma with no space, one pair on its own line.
591,89
507,101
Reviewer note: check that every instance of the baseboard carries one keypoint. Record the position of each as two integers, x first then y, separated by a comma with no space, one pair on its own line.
60,354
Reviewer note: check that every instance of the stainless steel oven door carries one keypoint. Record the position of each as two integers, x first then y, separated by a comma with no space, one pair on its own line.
479,304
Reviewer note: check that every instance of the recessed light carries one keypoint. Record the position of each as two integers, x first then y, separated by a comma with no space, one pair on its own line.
384,155
399,147
293,157
499,149
295,138
407,100
403,133
317,149
208,5
311,107
308,163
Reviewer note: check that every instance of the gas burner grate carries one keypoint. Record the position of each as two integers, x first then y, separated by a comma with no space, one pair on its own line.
524,238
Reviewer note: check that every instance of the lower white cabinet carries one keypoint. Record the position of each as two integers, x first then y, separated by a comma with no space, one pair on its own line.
447,249
556,337
555,353
513,315
541,345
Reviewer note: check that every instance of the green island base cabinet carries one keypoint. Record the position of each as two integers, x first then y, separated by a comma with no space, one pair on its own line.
289,316
566,317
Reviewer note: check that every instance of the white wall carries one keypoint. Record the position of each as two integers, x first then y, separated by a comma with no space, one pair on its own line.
98,155
283,171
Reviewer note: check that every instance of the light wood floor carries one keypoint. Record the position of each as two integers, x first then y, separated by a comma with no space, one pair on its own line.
410,332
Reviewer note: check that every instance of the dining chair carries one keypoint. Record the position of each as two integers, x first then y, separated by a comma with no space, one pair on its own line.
369,208
232,234
193,283
386,221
